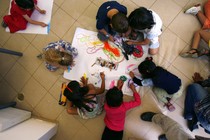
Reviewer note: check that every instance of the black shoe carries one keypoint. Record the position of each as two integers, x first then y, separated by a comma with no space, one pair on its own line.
162,137
192,124
3,24
147,116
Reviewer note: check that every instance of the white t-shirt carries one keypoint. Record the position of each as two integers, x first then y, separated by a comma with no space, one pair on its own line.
153,33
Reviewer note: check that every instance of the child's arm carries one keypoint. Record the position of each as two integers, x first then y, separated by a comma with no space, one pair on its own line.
34,21
136,42
137,99
103,31
135,80
102,89
40,10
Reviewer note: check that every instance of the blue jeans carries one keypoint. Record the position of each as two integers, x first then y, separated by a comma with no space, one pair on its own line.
195,93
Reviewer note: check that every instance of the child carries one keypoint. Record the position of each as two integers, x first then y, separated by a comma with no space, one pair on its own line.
84,100
202,33
166,85
59,54
110,15
116,111
149,23
20,13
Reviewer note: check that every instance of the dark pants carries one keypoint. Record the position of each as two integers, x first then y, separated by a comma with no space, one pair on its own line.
109,134
195,93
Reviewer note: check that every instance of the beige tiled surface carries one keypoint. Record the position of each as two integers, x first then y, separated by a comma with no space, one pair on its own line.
41,88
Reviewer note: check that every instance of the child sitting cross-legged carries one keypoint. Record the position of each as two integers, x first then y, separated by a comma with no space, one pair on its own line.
84,99
166,85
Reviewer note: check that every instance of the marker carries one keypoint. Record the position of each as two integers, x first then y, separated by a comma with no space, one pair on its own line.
48,28
85,76
69,68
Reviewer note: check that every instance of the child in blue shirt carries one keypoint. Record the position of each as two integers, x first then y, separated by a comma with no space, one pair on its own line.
111,18
166,85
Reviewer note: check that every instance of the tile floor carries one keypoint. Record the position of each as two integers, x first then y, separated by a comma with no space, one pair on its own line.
41,88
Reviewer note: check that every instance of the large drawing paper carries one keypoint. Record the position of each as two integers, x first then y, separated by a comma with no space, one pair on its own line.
90,48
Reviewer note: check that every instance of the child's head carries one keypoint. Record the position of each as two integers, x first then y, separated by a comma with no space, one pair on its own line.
147,67
77,95
141,19
119,22
114,97
25,4
58,57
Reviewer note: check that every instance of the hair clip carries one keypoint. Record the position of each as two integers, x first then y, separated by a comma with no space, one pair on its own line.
62,58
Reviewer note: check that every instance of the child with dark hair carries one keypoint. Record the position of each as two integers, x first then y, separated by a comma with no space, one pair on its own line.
84,100
149,23
59,54
116,111
20,13
111,18
166,85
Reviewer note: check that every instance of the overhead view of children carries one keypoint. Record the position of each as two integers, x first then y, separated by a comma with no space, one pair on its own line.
111,18
203,33
104,69
83,99
166,85
20,13
150,24
59,54
115,109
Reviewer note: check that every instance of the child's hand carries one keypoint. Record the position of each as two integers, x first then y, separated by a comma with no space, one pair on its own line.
84,80
43,24
42,12
131,74
102,75
120,84
111,38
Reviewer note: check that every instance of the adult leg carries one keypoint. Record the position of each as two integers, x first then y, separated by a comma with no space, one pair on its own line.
172,129
197,37
206,24
195,93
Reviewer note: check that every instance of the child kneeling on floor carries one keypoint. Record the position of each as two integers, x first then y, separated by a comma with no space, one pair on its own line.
166,85
116,111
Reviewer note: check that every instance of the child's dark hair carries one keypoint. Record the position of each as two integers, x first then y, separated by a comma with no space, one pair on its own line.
78,95
114,97
147,67
141,19
25,4
120,23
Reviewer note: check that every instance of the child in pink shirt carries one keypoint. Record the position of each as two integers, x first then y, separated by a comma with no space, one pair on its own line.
116,111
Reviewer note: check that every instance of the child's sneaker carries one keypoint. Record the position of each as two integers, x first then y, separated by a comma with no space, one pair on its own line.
193,10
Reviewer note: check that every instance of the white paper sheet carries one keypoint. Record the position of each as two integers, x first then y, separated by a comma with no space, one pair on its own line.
36,29
89,48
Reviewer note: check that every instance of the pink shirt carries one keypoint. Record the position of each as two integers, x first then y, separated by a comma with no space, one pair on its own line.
115,116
